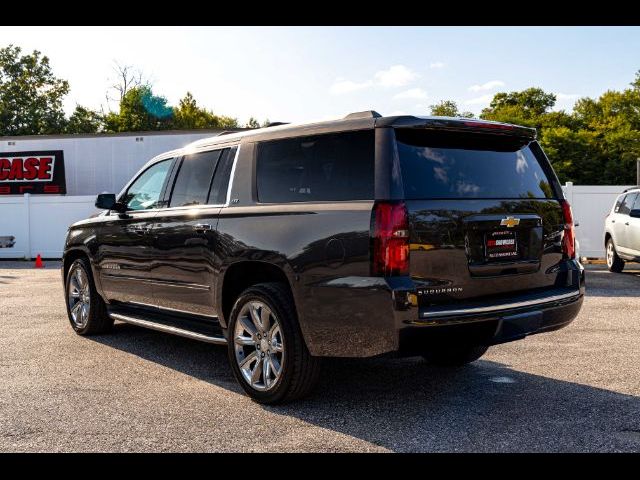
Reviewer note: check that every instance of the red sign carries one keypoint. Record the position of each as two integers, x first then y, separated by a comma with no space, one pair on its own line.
32,172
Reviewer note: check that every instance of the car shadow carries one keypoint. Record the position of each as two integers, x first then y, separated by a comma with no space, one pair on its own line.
406,405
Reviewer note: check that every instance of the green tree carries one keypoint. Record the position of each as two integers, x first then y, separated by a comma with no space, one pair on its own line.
30,94
84,120
252,123
140,110
448,108
188,115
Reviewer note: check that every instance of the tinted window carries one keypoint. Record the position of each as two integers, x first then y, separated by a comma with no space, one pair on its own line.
144,192
194,179
636,204
218,195
627,203
453,165
320,168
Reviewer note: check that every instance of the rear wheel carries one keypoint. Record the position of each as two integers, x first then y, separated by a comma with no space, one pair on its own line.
454,355
266,350
614,262
85,308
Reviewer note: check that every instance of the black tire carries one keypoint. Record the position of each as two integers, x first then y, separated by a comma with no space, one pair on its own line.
98,321
300,370
454,355
614,263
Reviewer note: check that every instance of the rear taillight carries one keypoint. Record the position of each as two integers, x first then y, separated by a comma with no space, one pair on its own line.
390,239
569,236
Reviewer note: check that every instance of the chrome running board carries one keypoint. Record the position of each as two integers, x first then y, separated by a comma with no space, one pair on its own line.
168,329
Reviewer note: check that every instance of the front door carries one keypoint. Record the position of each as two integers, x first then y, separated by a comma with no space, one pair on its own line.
125,256
184,235
621,228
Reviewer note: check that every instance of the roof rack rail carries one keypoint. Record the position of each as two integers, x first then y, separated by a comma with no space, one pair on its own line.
631,188
275,124
226,132
365,114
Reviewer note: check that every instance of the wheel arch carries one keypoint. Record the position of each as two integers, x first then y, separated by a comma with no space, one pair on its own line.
240,275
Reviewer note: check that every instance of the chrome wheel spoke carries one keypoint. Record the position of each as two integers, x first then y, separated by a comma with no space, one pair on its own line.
245,341
247,360
275,365
266,367
257,371
265,318
249,326
75,310
255,317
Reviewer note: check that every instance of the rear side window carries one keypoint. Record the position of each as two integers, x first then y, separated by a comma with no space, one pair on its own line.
455,165
627,203
218,195
618,203
331,167
193,181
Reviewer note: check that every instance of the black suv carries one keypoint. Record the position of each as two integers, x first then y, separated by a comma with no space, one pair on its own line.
426,236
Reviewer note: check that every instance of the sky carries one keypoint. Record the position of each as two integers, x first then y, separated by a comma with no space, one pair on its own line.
299,74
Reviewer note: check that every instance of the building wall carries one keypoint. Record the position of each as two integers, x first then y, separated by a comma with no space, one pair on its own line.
105,163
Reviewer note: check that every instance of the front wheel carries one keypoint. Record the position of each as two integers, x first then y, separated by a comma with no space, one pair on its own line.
454,355
85,308
614,262
265,346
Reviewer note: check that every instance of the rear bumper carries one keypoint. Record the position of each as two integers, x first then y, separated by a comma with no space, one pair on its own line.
368,316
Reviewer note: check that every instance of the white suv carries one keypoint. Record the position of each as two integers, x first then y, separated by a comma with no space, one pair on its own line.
622,230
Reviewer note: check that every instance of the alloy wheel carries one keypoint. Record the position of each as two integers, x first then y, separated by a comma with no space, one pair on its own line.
79,297
610,253
259,346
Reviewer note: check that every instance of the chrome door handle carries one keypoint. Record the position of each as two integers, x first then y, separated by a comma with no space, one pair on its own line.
202,227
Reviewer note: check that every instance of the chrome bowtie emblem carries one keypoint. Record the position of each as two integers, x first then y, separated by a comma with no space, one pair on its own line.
510,222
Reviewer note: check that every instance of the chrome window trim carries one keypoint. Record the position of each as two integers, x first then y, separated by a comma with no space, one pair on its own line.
187,207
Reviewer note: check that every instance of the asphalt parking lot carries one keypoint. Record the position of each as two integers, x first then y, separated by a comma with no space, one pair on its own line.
577,389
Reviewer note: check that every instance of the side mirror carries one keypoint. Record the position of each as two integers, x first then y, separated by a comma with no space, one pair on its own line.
635,213
107,201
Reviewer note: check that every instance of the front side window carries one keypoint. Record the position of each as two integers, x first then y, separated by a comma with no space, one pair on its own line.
330,167
627,203
144,193
194,179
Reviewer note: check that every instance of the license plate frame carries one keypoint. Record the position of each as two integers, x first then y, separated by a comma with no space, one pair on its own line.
501,245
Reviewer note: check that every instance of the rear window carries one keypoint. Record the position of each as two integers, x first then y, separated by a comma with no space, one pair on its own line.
329,167
454,165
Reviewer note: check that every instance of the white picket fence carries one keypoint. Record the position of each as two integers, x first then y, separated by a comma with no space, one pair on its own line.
38,223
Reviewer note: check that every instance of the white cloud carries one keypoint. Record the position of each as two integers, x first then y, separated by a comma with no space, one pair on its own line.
395,76
341,86
412,93
436,65
397,112
479,100
486,86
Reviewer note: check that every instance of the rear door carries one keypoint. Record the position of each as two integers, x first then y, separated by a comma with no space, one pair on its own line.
183,273
484,213
633,231
622,225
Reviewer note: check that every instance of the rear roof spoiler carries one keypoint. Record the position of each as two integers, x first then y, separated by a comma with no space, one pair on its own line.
457,124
